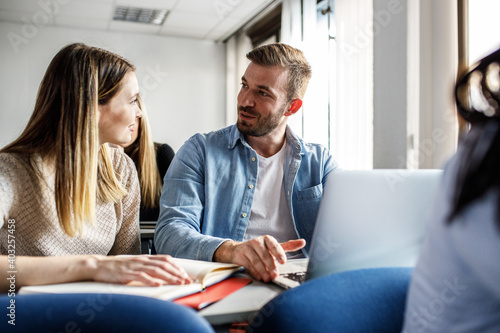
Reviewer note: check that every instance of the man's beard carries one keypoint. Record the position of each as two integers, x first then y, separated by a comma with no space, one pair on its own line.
263,126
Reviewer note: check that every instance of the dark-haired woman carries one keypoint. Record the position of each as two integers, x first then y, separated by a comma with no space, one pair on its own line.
456,283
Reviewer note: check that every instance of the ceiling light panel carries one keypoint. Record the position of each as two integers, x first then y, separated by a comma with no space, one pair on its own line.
141,15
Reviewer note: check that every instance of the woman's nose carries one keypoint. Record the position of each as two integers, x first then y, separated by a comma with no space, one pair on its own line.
138,113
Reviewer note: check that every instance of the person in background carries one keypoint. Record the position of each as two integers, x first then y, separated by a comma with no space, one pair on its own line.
152,161
68,202
248,193
455,285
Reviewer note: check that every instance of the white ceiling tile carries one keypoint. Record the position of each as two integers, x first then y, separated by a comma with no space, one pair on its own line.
204,19
229,24
189,21
90,9
134,27
199,6
248,9
225,8
152,4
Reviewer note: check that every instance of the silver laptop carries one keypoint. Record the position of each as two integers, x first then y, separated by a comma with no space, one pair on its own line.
369,218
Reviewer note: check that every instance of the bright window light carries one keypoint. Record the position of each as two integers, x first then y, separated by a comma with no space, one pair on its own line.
483,35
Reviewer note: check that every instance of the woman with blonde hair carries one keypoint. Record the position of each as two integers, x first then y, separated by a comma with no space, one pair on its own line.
152,161
68,202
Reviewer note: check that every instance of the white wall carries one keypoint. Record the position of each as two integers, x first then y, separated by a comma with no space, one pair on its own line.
182,80
389,84
436,70
415,61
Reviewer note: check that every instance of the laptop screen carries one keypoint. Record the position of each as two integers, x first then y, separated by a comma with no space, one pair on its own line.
371,218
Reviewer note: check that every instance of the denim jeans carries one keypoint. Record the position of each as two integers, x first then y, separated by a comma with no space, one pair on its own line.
96,313
366,300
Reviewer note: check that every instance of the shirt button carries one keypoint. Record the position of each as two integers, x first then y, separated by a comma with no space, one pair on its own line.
250,186
244,215
253,159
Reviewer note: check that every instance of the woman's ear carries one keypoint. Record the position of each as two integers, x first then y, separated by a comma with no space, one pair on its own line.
100,109
295,105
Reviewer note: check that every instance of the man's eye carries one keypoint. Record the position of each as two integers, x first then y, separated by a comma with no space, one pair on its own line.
263,93
134,102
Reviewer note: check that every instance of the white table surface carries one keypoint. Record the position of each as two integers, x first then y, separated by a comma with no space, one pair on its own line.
244,304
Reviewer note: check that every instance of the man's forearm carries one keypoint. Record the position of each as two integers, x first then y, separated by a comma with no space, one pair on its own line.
181,241
224,251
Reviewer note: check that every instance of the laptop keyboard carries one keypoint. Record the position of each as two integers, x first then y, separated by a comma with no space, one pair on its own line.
292,274
297,276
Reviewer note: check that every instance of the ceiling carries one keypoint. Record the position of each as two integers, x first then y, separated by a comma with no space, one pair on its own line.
202,19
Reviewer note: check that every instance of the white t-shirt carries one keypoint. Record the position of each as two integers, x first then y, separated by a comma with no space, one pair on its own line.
270,214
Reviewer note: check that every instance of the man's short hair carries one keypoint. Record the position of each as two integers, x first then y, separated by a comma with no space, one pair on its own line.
289,58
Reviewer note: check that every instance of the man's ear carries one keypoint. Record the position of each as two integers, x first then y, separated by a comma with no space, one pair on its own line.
295,105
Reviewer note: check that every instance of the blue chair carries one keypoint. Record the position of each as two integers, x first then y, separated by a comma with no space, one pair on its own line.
365,300
98,313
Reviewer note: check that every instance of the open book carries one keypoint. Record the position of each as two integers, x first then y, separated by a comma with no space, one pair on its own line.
203,273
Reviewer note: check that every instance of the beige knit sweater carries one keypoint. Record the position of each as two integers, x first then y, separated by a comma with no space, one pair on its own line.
30,206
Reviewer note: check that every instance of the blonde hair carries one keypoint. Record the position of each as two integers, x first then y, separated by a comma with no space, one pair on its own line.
143,152
64,129
289,58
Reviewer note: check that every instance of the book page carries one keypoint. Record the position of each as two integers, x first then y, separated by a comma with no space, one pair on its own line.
167,292
203,273
206,272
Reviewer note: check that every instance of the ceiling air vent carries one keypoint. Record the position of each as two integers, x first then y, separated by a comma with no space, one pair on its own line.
141,15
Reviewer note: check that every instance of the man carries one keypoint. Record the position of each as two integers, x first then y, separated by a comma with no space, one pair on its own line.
246,193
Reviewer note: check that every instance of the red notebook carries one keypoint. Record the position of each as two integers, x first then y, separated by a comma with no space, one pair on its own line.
213,293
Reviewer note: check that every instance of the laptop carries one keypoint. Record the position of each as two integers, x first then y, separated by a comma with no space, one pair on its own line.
366,219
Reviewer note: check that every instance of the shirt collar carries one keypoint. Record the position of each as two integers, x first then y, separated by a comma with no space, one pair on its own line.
293,140
234,136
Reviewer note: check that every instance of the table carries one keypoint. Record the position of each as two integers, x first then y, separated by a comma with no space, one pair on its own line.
244,304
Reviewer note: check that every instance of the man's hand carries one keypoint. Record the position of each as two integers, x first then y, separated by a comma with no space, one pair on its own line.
258,255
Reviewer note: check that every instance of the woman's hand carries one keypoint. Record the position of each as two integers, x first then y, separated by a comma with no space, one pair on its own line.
149,270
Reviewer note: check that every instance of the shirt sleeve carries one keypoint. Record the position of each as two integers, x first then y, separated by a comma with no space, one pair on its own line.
7,187
329,165
127,239
178,231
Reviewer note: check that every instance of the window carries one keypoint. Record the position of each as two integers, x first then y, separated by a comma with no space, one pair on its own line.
338,116
267,29
315,120
483,36
477,36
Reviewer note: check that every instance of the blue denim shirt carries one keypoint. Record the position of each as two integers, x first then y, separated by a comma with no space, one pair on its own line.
209,188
